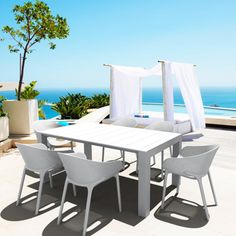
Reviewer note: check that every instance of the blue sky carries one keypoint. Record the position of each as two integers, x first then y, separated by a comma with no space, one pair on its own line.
130,32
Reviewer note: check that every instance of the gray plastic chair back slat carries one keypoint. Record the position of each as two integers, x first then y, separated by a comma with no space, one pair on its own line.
83,172
161,126
126,122
37,157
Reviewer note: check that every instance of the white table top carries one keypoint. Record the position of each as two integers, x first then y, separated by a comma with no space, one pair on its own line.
130,139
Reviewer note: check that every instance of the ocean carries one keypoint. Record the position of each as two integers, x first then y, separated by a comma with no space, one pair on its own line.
219,97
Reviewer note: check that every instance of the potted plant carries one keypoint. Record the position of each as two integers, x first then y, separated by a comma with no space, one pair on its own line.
72,106
4,123
34,23
23,113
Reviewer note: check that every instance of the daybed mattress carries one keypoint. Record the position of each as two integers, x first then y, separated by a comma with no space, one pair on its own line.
182,123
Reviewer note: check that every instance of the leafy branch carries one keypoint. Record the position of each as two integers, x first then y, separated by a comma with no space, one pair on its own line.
35,23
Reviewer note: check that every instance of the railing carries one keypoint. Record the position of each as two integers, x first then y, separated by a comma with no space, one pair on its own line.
182,105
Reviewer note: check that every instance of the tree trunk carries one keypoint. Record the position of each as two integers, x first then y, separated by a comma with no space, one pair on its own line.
21,76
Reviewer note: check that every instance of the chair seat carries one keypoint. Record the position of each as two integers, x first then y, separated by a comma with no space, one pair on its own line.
58,142
173,165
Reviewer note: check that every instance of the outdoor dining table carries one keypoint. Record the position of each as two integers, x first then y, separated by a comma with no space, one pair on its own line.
145,143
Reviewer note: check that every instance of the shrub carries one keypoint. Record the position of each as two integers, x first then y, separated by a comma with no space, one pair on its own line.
99,100
2,112
41,103
72,106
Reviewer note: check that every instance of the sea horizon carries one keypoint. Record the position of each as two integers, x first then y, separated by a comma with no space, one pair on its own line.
212,96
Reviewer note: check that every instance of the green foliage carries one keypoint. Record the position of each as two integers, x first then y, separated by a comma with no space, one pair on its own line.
72,106
35,23
29,91
99,100
2,112
41,103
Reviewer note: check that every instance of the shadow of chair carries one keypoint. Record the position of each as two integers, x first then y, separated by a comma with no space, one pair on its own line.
103,209
182,212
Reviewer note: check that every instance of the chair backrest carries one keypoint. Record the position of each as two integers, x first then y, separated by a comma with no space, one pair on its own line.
85,172
41,125
166,126
127,122
198,158
38,158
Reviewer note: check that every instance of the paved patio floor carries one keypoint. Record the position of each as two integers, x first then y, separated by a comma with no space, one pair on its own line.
104,210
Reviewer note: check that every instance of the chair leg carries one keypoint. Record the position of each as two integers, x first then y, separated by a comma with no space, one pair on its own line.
203,198
170,152
212,188
39,192
164,190
122,153
162,160
74,190
103,154
71,146
90,190
62,201
21,186
123,157
50,179
118,192
177,188
137,164
52,148
154,160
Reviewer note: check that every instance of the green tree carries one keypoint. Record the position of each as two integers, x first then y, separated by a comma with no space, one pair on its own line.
35,23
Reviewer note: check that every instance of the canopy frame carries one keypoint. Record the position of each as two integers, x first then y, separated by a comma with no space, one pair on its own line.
167,87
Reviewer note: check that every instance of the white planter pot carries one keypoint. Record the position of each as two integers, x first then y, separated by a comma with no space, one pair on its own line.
4,128
22,115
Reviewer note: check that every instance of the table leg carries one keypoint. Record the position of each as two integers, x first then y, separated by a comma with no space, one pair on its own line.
44,139
176,150
143,184
88,150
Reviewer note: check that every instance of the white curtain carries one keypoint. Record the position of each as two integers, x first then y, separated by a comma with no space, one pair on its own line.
189,87
126,89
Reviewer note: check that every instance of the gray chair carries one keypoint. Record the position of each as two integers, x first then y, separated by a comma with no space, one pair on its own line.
40,160
51,142
194,164
87,173
126,122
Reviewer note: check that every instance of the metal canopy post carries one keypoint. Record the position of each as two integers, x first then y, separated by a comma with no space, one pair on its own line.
164,90
111,88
